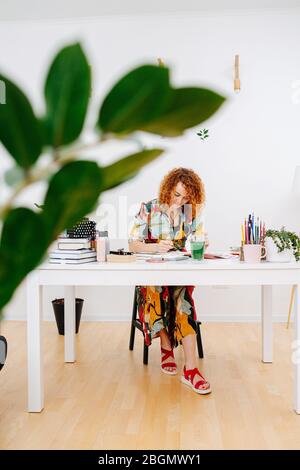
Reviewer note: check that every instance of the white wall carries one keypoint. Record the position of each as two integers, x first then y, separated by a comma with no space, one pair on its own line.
35,9
248,161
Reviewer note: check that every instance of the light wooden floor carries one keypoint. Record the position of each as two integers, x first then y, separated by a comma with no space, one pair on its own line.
109,400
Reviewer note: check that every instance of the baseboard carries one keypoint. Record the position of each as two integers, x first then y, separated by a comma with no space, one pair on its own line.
205,318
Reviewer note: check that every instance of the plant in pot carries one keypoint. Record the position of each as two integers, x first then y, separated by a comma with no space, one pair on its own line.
282,245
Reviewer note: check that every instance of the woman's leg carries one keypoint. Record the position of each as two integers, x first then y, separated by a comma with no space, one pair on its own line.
185,329
166,344
150,312
165,340
189,350
153,307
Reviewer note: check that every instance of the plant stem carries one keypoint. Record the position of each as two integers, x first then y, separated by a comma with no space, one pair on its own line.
31,178
59,157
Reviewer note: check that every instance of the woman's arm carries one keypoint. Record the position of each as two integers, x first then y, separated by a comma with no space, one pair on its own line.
138,246
139,232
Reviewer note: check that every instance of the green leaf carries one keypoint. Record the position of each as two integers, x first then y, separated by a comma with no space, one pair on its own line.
19,128
188,108
145,100
67,92
73,192
126,168
23,238
7,284
22,247
139,97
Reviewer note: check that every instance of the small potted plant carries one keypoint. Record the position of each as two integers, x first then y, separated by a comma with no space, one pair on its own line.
282,246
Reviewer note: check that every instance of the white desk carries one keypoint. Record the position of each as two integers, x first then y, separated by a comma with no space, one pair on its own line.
187,272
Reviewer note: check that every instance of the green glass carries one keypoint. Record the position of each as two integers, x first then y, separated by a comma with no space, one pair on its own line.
197,250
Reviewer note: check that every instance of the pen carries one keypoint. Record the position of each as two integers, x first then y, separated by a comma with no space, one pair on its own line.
260,237
249,230
253,228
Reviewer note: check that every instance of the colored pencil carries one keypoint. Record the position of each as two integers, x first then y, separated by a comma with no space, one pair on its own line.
253,230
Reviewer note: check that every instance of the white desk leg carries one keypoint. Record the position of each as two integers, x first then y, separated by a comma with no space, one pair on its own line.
35,344
267,327
296,354
70,353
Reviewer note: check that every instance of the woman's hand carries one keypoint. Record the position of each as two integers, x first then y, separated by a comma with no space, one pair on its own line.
138,246
163,246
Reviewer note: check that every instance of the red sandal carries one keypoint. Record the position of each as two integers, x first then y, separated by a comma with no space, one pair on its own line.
188,378
164,365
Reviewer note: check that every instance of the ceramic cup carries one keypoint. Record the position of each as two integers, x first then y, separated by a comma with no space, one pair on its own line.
253,253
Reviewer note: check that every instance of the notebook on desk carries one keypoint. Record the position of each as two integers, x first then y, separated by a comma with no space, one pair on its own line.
72,261
220,255
182,255
168,256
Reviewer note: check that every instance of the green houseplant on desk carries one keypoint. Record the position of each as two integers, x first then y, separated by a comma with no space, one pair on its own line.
142,100
282,245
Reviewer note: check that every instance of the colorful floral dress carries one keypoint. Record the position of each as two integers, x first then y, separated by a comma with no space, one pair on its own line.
170,307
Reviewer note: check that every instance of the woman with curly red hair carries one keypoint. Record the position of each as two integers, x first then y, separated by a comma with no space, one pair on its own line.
162,224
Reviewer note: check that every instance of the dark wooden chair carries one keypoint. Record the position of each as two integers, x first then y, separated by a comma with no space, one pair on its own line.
136,323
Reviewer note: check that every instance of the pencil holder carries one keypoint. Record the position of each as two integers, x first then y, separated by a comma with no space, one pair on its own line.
253,252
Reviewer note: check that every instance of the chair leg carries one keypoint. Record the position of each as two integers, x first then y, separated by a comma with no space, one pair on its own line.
132,331
145,357
133,328
3,351
199,341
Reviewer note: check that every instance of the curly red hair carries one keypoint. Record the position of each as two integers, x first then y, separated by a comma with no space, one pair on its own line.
193,185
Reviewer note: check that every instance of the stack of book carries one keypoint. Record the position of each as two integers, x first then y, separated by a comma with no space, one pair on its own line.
85,228
73,251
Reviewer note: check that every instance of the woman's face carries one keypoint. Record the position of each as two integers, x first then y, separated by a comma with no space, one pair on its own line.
179,196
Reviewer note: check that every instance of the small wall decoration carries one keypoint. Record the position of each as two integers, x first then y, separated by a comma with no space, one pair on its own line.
237,81
203,134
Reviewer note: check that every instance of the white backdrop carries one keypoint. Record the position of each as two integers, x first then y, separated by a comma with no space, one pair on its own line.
247,163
